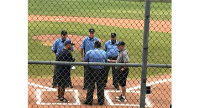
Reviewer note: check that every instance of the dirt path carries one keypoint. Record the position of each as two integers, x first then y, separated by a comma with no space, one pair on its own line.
160,96
155,25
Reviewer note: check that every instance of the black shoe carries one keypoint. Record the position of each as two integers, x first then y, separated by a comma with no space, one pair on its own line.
70,86
118,97
63,100
121,99
100,103
87,103
57,98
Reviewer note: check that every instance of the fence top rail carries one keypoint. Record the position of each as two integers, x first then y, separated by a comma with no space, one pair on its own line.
96,64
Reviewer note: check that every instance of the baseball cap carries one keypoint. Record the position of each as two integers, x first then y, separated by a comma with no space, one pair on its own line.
63,32
68,42
121,43
113,35
91,30
97,44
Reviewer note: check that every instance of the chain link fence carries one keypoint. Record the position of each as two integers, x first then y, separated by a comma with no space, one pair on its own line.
46,20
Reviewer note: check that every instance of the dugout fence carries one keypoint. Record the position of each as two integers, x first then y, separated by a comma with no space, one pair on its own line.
145,27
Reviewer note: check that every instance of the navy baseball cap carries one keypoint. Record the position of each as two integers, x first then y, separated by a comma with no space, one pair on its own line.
121,43
69,42
63,32
91,30
97,44
113,35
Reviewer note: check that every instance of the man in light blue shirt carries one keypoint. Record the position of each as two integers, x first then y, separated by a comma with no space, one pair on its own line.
87,44
112,51
95,74
96,55
58,45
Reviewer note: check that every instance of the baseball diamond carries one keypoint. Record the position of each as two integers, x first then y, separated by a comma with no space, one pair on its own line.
48,94
91,26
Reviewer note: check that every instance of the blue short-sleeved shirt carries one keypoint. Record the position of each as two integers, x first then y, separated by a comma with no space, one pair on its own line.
88,44
96,55
111,49
58,45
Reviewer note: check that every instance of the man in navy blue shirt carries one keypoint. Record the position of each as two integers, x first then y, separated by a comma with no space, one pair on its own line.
112,51
62,72
87,44
58,45
95,74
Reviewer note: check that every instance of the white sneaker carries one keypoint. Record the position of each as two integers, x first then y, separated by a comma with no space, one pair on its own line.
73,67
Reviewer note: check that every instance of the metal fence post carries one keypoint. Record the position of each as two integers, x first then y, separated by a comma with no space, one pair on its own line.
145,53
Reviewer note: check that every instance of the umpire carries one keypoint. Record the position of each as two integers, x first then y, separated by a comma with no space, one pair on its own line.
96,74
112,51
87,44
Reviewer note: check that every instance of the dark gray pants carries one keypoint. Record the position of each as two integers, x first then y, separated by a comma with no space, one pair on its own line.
114,72
86,69
54,84
98,76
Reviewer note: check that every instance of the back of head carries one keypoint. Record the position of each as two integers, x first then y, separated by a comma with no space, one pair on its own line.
97,44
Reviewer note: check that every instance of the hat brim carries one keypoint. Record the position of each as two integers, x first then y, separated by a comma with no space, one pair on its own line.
119,45
69,43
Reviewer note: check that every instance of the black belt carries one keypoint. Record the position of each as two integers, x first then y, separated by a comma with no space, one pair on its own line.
112,58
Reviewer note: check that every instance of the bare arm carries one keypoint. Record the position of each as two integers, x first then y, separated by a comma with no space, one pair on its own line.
112,61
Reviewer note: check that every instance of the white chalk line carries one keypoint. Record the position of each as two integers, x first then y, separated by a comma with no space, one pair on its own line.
148,103
41,86
149,84
38,95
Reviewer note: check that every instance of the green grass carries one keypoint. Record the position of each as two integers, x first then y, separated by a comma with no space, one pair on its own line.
99,8
159,46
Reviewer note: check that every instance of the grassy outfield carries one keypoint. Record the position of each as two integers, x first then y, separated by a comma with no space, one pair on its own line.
159,47
99,8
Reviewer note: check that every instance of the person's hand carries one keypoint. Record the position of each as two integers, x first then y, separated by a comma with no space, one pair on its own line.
122,69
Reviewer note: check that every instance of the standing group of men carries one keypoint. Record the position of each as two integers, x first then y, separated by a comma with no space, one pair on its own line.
114,52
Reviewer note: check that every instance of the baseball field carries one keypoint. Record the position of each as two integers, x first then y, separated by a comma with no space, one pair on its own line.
46,19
